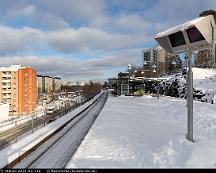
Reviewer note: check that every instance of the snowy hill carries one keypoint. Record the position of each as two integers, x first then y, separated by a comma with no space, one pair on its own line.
204,84
204,79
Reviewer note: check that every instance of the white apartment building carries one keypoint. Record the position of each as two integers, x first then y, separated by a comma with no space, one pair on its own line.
40,84
155,54
56,84
48,84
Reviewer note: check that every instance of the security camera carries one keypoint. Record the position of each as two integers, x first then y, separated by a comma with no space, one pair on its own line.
196,34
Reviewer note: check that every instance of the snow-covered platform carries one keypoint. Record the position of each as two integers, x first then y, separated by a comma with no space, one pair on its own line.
141,132
23,145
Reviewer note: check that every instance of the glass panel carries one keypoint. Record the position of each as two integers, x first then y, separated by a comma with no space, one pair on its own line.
177,39
194,35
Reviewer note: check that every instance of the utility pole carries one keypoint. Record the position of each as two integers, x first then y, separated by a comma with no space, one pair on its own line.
15,127
129,71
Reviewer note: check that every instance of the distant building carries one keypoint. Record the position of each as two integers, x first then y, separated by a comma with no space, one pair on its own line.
112,82
56,84
18,88
40,84
123,83
79,84
48,84
156,56
204,58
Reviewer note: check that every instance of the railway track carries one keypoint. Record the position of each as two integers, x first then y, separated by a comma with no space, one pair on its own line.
11,134
47,148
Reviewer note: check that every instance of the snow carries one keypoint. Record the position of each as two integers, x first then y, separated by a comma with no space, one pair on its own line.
8,123
15,150
204,79
40,110
204,82
144,132
181,27
56,152
4,110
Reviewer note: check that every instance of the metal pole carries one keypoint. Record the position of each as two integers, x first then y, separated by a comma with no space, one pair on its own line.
32,124
35,113
157,84
44,118
213,54
190,98
129,82
143,86
15,127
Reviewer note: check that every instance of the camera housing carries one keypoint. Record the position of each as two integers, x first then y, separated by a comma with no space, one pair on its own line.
196,34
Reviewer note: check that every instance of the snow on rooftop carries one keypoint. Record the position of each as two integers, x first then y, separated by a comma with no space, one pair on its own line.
143,132
11,68
179,27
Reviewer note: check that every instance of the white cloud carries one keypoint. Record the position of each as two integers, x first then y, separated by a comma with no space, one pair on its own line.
65,40
73,10
27,10
123,23
88,26
16,40
74,68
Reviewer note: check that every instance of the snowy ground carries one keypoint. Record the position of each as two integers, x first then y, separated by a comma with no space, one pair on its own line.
141,132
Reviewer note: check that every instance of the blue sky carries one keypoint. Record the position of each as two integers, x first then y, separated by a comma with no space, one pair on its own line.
81,40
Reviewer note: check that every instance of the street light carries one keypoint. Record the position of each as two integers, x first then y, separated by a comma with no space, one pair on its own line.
156,74
142,72
129,70
173,63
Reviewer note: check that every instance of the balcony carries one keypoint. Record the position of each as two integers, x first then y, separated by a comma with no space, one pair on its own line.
6,75
6,86
6,91
6,81
6,97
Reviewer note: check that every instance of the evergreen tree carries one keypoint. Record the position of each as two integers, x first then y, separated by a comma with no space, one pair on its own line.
208,12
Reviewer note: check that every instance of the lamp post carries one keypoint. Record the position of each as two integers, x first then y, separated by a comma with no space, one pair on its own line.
44,117
142,72
156,74
173,64
129,70
16,121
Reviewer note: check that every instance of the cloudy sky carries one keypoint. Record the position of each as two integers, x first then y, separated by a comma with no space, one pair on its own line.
79,40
